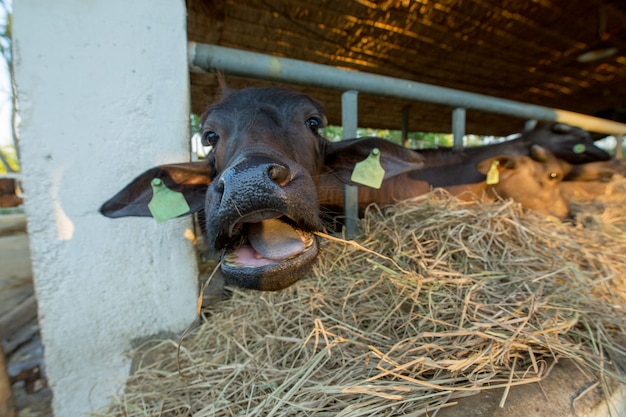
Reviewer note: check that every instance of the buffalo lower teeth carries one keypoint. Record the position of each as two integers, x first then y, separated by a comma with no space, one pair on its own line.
231,258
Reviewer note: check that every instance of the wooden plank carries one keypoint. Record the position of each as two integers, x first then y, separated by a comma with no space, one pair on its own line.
24,335
12,223
15,257
15,319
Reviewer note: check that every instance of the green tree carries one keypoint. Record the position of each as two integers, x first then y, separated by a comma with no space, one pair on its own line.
5,50
9,160
417,140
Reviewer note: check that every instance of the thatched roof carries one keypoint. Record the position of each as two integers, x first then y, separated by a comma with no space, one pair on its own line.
520,50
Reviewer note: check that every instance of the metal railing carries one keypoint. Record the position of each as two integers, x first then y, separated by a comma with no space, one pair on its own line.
211,58
267,67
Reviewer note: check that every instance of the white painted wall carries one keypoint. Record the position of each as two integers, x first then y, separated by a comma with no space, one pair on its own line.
103,95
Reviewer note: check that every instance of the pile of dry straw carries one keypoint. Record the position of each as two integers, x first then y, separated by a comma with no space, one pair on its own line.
442,298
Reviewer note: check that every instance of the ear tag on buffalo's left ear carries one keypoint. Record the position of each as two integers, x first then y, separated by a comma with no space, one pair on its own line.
493,175
165,203
369,171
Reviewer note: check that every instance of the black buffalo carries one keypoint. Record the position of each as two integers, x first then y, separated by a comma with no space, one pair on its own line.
258,186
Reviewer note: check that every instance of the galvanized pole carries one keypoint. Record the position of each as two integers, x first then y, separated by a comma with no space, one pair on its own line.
619,146
405,125
458,128
529,125
349,121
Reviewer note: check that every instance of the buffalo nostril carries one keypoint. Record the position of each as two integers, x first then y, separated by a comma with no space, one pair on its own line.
279,174
219,187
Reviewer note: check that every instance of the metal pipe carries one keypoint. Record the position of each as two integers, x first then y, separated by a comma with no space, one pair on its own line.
458,128
529,125
405,125
349,122
203,57
619,146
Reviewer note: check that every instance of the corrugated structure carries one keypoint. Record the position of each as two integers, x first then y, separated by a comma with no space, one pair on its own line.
526,50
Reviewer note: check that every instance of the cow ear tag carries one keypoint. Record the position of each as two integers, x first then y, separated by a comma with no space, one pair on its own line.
493,175
165,203
369,172
579,148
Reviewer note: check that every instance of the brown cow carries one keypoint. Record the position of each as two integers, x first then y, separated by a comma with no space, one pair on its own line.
602,171
8,193
589,181
533,181
259,184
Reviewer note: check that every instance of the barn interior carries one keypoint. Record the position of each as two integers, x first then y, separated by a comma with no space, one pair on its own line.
562,54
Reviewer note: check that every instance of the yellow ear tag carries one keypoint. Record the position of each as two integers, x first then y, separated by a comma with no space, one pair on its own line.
369,172
165,203
493,175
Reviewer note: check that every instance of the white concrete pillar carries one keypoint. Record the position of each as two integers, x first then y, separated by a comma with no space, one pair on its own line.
103,95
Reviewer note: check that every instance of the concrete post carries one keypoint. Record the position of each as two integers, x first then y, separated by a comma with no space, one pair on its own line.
103,95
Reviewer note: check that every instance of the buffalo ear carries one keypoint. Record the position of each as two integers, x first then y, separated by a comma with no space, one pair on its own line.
341,157
190,179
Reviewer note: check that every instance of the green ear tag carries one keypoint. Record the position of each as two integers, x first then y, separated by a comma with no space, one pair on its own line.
166,204
579,148
369,171
493,175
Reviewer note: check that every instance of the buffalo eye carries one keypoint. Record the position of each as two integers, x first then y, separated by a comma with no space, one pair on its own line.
314,124
209,138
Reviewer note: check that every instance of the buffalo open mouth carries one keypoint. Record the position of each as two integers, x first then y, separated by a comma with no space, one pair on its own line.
267,251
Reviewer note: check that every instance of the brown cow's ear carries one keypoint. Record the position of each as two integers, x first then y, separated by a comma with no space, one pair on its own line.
341,157
190,179
503,162
539,153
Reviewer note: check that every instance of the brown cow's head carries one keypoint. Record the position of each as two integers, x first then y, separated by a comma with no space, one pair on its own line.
259,184
533,180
